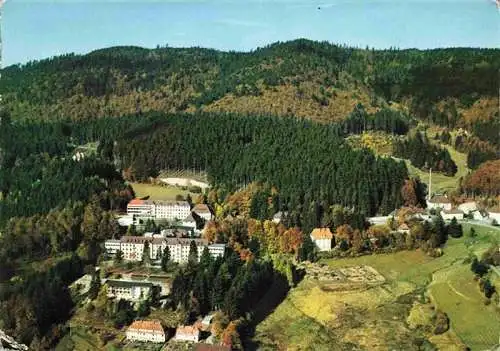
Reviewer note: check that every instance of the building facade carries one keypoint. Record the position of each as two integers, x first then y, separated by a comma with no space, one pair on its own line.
448,215
439,202
128,289
217,250
323,238
132,247
187,333
146,331
170,210
111,246
141,208
203,211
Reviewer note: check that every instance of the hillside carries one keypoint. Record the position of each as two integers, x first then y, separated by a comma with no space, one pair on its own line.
322,81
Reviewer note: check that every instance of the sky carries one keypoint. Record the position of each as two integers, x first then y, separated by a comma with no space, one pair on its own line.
37,29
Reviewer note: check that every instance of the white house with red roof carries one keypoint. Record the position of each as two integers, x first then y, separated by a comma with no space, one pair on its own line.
322,237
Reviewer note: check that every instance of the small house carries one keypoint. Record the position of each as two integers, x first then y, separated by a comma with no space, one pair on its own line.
448,215
439,202
323,238
187,333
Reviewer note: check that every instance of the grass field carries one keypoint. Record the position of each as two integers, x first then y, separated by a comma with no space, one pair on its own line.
159,192
440,182
311,318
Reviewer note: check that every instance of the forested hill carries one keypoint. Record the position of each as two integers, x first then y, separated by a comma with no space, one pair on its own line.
451,87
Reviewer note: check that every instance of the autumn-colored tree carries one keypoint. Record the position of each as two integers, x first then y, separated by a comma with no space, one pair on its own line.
210,231
231,337
344,232
291,240
357,241
408,193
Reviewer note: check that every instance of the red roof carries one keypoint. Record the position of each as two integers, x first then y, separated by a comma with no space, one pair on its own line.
136,202
152,326
322,233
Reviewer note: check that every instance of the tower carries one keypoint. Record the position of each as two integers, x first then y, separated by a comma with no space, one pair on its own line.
429,193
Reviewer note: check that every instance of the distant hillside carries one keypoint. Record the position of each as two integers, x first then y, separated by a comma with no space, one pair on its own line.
316,79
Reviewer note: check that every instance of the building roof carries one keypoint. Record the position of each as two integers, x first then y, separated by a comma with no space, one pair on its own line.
128,283
171,203
112,241
189,218
207,319
135,239
440,199
137,202
404,226
453,211
201,208
185,241
151,325
322,233
190,330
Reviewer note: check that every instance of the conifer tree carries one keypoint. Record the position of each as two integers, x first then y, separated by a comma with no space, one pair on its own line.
193,253
165,259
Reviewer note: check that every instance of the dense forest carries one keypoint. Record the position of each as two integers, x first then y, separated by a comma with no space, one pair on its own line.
309,163
423,154
441,85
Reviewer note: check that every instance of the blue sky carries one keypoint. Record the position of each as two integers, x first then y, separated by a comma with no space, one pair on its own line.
35,29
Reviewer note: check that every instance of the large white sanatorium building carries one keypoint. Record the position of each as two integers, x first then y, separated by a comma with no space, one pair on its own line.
159,209
132,247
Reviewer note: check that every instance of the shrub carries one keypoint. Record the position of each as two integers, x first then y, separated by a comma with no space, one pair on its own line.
441,322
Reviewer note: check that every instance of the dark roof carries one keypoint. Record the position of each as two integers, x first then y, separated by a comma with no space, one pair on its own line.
185,241
189,218
128,283
202,208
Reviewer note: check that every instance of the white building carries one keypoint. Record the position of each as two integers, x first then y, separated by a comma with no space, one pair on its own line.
439,202
468,207
278,216
111,246
133,247
143,208
203,211
189,222
146,331
378,220
494,215
179,248
170,210
217,250
187,333
322,237
453,213
129,290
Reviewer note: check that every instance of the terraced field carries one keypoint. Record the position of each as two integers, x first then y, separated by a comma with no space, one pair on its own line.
312,318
